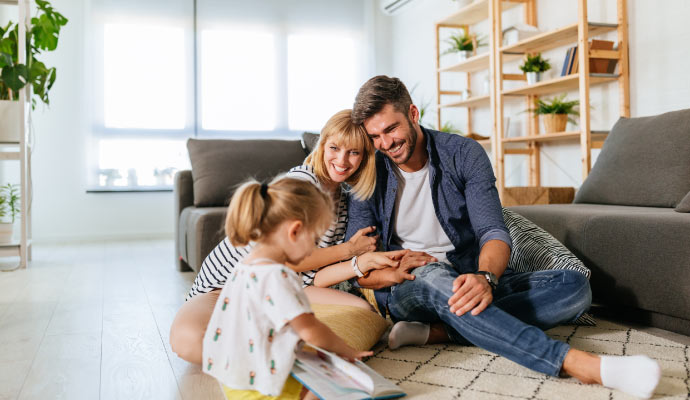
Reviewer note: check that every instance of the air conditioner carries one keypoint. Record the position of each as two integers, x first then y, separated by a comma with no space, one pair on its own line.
392,7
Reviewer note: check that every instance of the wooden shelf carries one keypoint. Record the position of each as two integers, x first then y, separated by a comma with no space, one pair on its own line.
476,63
475,12
558,136
557,38
478,101
12,2
10,155
472,64
485,142
560,84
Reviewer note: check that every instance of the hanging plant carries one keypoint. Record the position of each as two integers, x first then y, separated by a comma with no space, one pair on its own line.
42,36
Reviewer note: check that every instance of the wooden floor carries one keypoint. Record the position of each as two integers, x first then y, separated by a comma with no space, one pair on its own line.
91,321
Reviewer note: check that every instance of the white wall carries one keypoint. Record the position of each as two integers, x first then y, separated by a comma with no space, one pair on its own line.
659,62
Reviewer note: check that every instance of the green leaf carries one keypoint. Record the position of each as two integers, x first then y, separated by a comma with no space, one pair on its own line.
15,77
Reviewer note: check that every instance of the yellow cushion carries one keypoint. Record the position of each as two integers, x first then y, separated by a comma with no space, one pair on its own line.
291,391
359,328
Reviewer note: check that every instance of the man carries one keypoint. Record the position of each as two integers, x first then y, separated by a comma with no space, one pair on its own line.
436,196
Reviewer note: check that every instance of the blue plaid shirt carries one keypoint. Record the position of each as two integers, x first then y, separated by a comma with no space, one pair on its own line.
463,193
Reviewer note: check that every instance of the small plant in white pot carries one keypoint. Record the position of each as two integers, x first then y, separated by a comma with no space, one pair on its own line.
533,67
464,45
9,208
555,113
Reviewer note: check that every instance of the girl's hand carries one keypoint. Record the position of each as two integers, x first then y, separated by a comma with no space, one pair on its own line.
378,260
360,243
351,354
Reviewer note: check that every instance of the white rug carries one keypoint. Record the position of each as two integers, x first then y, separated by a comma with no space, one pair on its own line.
451,371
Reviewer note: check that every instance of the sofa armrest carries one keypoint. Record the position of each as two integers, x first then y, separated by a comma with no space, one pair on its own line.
183,191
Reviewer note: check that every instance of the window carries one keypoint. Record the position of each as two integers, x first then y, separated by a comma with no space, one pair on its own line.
164,71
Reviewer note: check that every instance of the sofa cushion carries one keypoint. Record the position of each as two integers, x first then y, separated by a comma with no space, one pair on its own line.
644,162
638,256
218,166
534,249
684,205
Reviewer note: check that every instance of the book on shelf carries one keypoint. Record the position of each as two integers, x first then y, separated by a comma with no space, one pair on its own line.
331,377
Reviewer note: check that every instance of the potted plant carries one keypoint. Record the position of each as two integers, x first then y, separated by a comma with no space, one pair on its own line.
9,208
533,66
41,36
556,112
463,44
448,127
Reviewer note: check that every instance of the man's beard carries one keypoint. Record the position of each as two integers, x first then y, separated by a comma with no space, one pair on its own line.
411,145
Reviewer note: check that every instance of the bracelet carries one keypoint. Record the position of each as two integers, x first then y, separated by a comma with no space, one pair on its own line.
355,267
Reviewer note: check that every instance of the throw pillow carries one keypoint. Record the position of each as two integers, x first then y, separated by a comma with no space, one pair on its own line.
644,162
534,249
218,166
359,328
309,141
684,205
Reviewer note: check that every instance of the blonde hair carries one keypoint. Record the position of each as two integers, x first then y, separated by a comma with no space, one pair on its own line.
345,133
253,215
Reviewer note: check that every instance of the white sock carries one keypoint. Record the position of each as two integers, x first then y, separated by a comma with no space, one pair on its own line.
634,375
408,333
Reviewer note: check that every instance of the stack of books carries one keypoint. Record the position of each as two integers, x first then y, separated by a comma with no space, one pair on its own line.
596,65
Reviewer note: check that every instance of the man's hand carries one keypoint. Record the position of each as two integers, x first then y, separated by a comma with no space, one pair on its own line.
471,292
360,243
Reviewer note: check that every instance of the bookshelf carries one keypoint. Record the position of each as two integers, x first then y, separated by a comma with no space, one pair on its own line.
472,14
578,34
19,150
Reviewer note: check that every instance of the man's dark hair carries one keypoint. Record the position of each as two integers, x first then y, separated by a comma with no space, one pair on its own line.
376,93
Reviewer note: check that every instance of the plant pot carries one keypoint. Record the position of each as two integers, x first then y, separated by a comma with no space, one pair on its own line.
554,122
9,121
533,77
6,232
464,55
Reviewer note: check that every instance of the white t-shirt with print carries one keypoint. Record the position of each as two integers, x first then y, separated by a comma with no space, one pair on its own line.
249,344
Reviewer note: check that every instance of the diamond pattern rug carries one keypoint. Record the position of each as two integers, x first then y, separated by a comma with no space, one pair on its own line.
452,371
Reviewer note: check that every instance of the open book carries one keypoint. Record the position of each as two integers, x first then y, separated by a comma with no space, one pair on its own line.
331,377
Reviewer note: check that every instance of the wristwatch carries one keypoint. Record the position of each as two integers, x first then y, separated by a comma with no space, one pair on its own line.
490,277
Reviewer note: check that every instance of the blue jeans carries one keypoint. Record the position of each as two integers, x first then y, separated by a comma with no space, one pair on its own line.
524,304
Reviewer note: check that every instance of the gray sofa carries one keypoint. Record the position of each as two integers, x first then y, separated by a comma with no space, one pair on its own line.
630,221
202,194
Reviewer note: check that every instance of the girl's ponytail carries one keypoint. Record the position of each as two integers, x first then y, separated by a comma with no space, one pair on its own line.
257,209
245,213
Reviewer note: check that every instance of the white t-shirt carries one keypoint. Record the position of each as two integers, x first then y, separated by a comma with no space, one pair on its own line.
416,225
249,344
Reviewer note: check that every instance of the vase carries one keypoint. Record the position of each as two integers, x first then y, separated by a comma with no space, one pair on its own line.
9,121
554,122
533,77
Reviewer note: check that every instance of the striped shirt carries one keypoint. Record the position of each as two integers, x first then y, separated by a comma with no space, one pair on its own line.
220,263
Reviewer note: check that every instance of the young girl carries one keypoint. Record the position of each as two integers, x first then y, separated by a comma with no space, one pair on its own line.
262,312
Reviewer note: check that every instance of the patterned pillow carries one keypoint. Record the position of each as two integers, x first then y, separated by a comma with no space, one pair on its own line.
534,249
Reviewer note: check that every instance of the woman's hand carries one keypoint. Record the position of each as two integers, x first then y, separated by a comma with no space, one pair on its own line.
360,243
378,260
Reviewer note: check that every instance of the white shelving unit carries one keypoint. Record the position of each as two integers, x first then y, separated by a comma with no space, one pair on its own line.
20,151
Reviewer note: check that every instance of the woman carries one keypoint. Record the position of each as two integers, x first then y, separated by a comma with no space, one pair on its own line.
343,165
